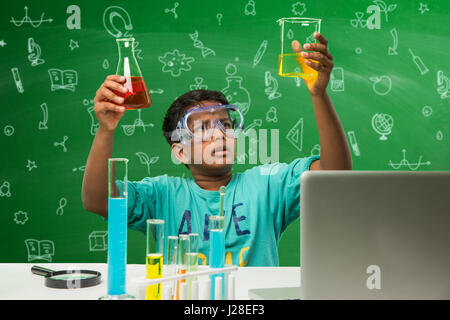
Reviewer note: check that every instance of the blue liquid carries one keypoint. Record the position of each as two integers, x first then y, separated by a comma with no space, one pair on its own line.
117,245
217,258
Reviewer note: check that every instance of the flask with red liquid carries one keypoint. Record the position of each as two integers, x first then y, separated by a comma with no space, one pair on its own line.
138,96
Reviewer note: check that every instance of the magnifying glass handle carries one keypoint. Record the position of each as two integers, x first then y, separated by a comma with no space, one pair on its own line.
41,271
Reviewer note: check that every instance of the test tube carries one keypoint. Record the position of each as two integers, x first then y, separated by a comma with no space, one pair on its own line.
192,260
194,291
183,249
231,287
172,254
222,192
217,250
117,229
205,291
154,260
218,284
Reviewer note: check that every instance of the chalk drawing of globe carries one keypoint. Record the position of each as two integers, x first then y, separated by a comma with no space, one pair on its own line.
382,123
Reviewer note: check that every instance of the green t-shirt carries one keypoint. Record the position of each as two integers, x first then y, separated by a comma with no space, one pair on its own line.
259,205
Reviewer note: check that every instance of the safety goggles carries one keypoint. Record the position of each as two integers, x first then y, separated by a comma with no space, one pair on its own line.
201,121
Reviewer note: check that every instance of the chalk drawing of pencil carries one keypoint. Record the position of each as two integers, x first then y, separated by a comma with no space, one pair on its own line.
260,53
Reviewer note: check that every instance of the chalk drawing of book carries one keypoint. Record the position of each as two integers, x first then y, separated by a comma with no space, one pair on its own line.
63,79
40,250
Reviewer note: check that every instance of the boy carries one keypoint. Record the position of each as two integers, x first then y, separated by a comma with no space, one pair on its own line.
258,207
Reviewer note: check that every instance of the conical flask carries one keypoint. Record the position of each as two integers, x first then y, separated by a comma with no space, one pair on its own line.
138,96
234,91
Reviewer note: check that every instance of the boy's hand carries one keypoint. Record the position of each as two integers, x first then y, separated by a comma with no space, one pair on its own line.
320,65
107,104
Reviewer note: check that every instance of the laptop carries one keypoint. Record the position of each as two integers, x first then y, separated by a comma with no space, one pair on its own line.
373,235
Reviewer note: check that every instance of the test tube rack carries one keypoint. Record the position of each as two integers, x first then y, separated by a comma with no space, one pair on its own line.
201,293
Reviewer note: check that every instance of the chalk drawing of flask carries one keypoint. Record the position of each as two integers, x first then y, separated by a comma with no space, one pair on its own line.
234,92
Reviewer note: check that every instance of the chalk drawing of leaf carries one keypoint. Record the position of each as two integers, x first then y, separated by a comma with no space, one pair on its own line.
154,160
143,158
392,7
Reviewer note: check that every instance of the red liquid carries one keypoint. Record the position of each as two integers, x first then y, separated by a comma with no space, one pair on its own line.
138,97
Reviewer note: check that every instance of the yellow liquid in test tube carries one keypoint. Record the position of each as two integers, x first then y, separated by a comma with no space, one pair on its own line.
154,264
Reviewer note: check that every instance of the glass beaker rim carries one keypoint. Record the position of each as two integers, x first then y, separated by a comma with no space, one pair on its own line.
125,39
155,221
118,159
298,19
217,218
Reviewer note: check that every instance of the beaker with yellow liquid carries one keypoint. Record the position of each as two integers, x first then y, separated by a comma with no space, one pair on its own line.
291,64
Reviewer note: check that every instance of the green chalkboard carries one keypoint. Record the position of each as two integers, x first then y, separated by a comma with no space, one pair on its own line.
390,87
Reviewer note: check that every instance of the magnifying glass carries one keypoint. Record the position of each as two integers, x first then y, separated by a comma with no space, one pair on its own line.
68,279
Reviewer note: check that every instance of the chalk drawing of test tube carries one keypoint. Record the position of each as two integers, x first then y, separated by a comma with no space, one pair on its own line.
17,79
354,143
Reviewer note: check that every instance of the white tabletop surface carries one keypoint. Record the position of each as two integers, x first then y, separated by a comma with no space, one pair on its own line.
18,283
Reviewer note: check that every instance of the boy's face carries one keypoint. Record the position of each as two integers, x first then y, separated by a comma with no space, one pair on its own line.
218,152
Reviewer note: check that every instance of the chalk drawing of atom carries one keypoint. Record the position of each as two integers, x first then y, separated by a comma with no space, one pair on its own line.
175,62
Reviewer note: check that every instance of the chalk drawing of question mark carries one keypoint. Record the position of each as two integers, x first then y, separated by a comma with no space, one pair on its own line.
219,17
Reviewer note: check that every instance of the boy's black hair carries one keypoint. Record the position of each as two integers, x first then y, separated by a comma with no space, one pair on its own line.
178,108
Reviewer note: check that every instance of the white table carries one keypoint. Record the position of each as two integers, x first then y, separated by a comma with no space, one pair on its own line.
18,283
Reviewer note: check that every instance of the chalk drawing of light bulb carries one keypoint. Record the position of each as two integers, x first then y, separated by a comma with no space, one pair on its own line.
234,92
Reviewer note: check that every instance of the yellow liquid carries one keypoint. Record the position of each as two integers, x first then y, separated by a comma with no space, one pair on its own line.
293,65
154,264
